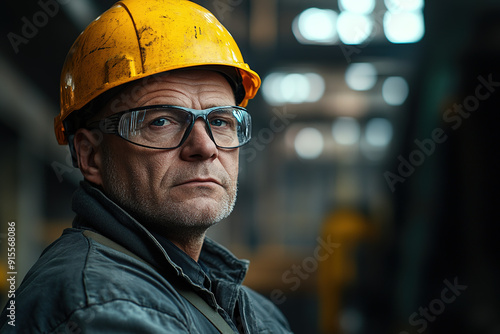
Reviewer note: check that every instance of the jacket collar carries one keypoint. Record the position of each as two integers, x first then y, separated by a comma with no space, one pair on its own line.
97,212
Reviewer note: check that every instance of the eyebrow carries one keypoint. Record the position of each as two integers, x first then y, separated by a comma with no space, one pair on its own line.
215,106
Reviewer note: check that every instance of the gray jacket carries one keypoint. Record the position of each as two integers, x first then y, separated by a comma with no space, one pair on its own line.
82,286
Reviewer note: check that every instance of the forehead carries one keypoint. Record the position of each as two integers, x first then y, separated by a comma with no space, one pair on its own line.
196,89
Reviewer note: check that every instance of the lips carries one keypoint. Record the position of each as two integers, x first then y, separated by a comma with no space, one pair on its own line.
200,181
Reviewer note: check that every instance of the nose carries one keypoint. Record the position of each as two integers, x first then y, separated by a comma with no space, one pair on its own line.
199,145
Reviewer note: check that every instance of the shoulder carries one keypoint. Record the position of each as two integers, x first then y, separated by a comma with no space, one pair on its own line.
80,283
52,283
58,268
267,313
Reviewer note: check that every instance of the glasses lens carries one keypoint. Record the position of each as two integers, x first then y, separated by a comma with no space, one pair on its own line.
165,127
230,127
159,127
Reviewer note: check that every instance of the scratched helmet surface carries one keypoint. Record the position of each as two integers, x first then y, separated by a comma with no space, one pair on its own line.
138,38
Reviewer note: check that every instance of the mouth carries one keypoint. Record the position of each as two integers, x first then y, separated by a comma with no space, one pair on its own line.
200,182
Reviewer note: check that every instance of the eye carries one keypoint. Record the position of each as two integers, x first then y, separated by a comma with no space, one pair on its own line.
218,122
160,122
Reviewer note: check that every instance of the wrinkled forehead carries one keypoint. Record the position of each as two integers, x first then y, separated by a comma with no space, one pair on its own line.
190,88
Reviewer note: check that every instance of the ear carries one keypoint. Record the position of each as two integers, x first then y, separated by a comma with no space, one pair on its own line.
89,154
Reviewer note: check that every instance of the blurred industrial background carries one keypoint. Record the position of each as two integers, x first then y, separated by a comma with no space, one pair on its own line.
367,197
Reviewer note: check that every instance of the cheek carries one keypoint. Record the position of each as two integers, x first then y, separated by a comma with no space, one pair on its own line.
151,166
230,161
136,167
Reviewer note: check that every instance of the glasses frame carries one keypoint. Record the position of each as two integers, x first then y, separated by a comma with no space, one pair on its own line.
110,124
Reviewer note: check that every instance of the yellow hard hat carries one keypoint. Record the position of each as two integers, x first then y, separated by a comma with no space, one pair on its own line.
138,38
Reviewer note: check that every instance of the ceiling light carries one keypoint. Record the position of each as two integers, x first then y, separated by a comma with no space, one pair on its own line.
316,26
404,5
404,27
354,28
357,6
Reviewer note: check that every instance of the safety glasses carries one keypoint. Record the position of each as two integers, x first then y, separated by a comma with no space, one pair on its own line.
167,127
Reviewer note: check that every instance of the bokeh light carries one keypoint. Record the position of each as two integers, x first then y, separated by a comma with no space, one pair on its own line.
309,143
281,88
404,27
361,76
395,90
357,6
316,26
346,131
378,132
354,28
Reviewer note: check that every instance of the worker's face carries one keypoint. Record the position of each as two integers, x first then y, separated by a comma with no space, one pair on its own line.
179,192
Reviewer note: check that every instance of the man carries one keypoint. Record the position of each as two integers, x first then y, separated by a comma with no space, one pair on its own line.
148,107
